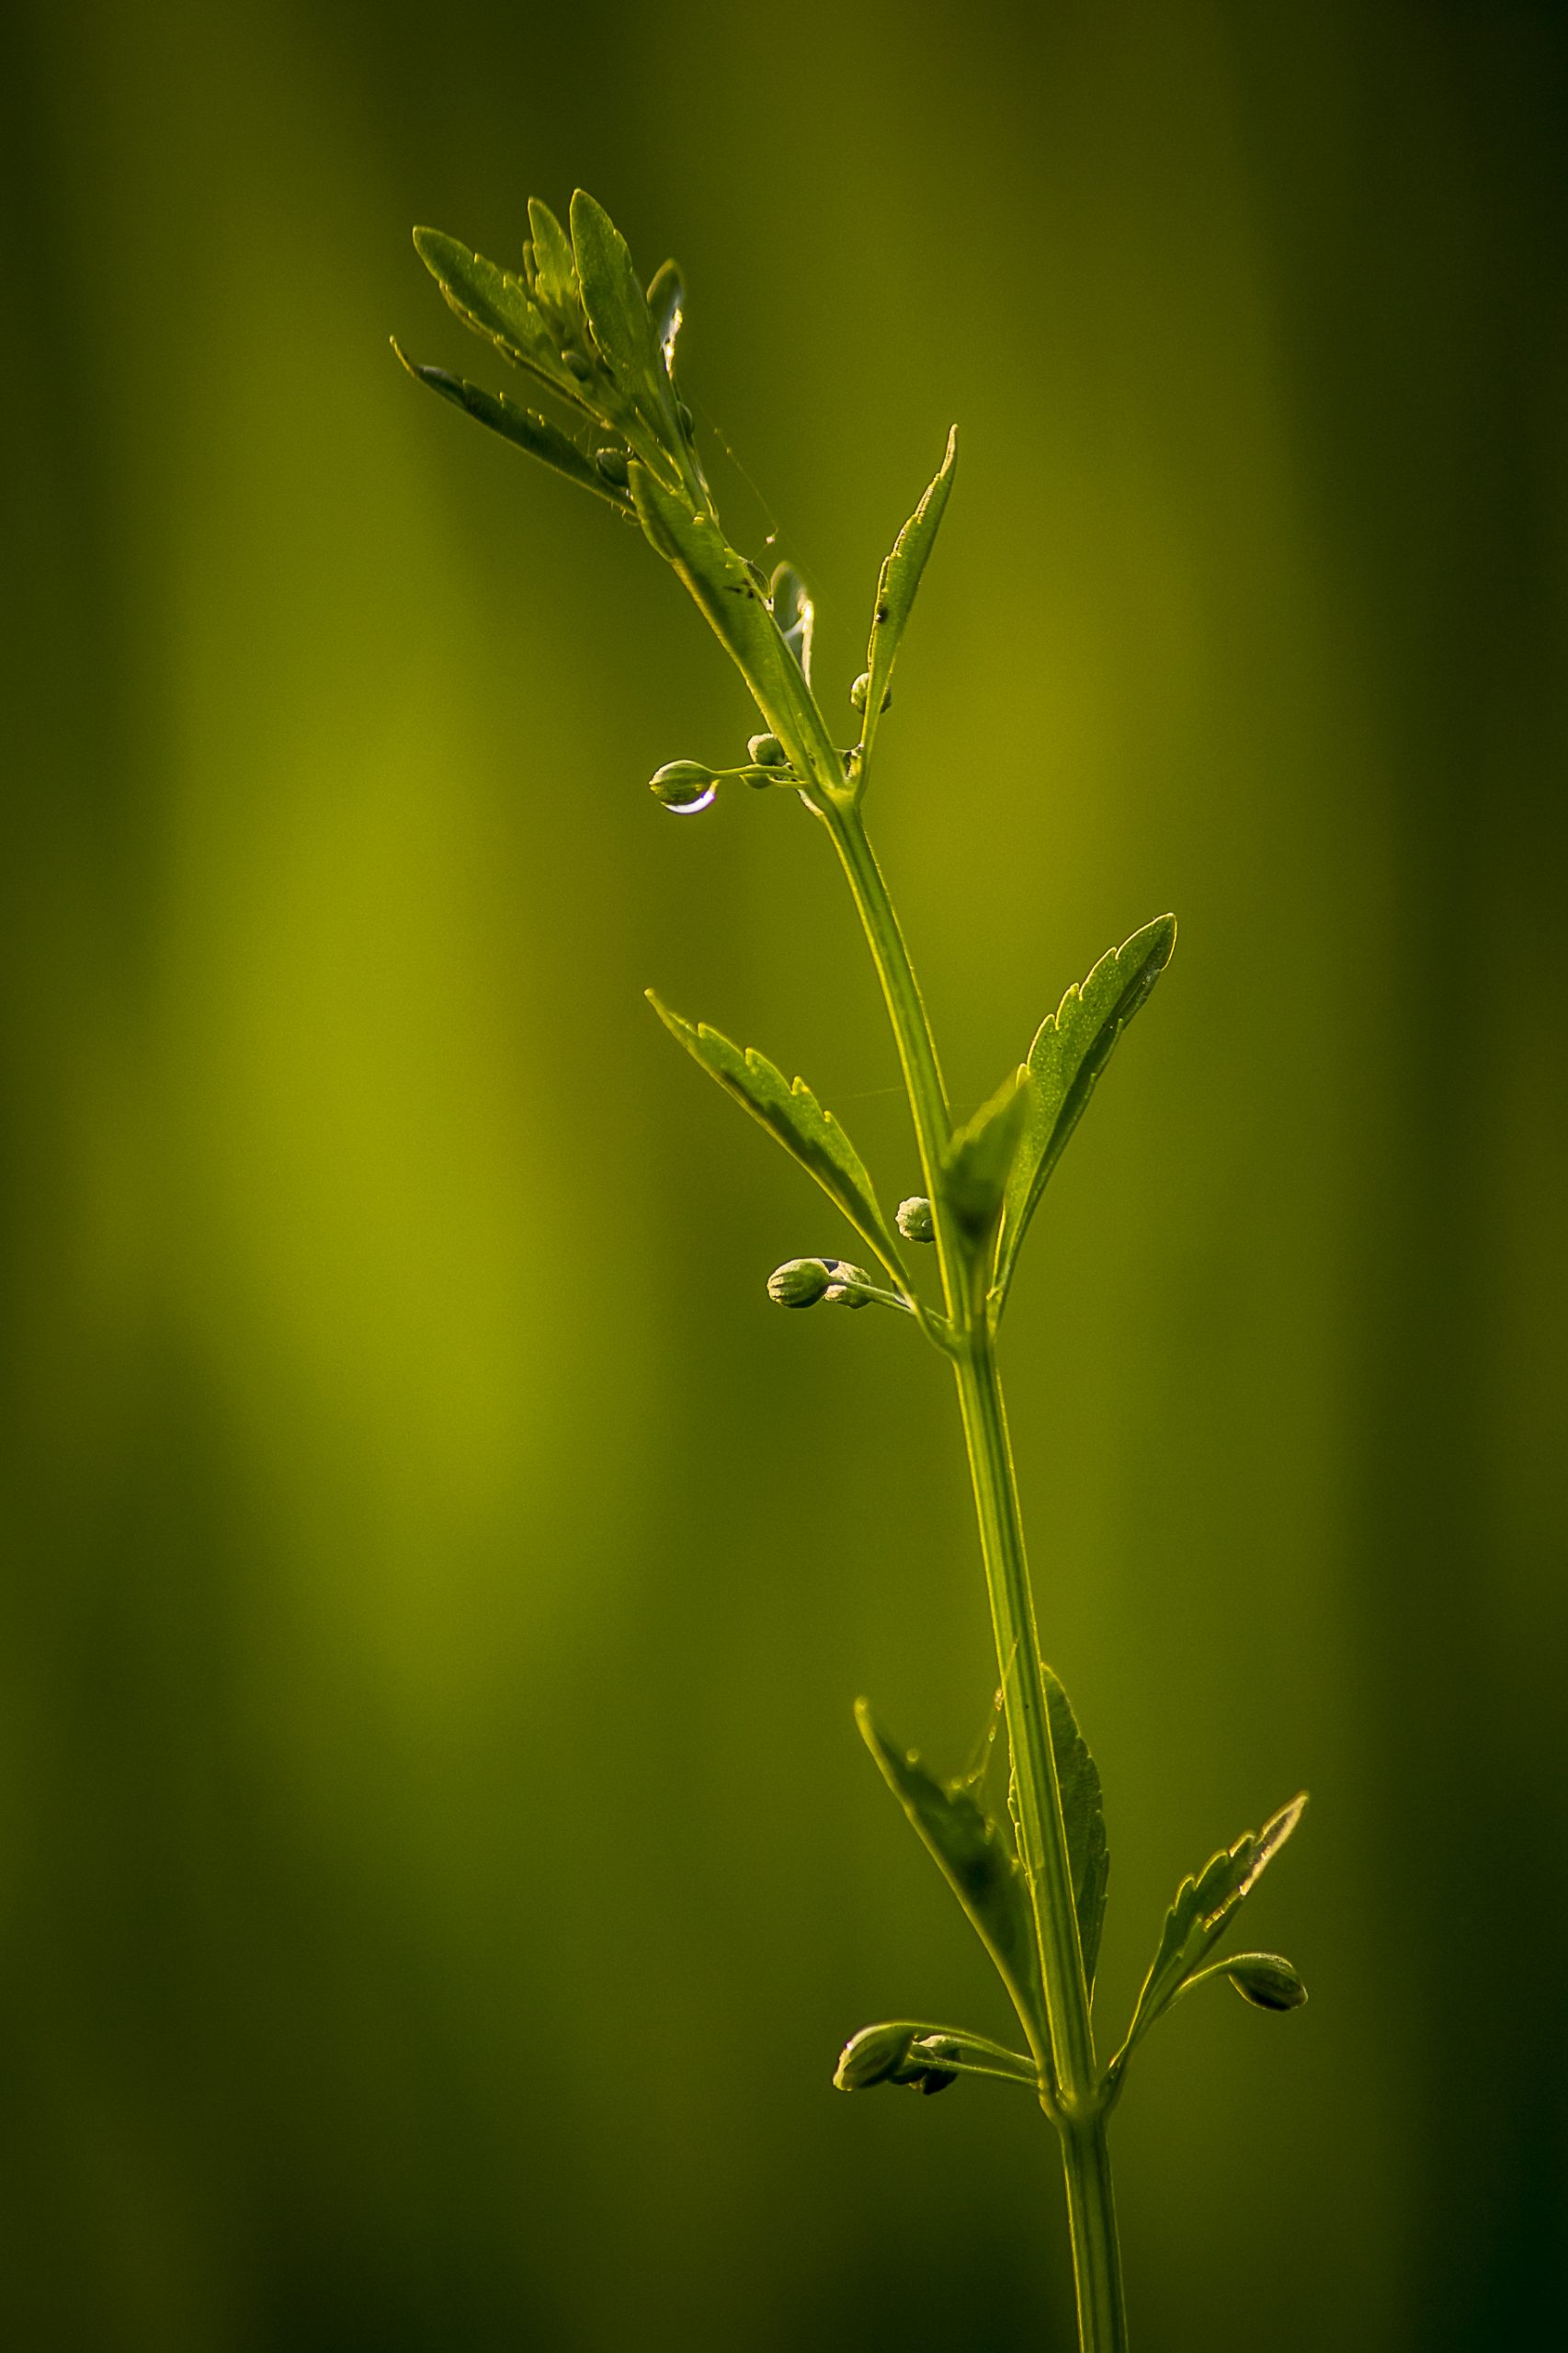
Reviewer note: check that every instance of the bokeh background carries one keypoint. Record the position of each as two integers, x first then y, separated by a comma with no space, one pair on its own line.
436,1865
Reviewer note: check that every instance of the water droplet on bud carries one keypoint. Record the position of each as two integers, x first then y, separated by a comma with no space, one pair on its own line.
684,787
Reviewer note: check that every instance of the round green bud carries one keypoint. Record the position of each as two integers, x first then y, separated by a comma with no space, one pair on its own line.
914,1220
576,364
847,1285
684,784
876,2055
800,1282
862,688
768,751
898,2054
612,464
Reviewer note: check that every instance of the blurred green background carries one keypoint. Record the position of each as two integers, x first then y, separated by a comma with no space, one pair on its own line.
439,1868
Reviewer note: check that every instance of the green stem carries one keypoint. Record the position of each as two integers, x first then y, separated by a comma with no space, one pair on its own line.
911,1029
1042,1830
1097,2256
1042,1835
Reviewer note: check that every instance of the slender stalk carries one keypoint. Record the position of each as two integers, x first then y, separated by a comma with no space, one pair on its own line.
1097,2255
1042,1834
1078,2100
911,1028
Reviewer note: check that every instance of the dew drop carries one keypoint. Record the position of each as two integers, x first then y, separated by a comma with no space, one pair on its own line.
690,808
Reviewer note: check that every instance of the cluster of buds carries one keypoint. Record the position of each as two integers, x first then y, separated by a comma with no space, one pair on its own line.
687,786
896,2054
803,1282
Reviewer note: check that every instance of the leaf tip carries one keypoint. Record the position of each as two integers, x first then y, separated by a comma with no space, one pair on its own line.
585,213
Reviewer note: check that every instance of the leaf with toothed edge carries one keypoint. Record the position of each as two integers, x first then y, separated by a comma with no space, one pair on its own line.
896,584
975,1857
1201,1913
521,427
497,306
1082,1814
796,1120
1071,1049
619,318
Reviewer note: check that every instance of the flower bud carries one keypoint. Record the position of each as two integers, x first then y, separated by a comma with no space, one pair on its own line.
899,2054
862,688
875,2055
685,785
800,1282
914,1220
847,1285
768,751
612,464
576,364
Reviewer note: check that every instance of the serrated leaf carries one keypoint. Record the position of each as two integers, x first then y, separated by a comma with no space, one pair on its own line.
618,313
736,609
1083,1813
1071,1049
926,2058
974,1167
975,1857
496,305
794,1116
555,269
519,426
896,585
1201,1911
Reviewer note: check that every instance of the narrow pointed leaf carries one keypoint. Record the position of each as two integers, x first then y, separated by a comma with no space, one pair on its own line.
1201,1911
926,2058
617,308
977,1161
521,427
899,579
1082,1812
497,306
667,307
736,609
975,1857
797,1120
1071,1049
795,614
555,271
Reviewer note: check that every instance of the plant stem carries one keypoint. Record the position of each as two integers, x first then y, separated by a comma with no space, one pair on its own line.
1078,2100
1042,1835
1096,2256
